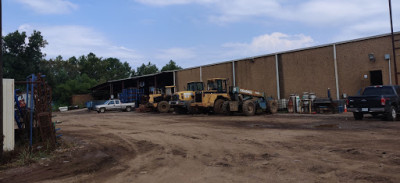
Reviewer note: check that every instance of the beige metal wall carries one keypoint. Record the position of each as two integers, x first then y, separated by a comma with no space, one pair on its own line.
257,74
217,71
184,76
353,63
8,114
309,70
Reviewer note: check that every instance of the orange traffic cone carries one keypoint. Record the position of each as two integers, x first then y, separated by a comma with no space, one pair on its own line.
345,108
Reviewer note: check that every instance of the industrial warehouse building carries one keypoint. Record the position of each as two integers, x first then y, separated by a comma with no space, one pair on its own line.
344,67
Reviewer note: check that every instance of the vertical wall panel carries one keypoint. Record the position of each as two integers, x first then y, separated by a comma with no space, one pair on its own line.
185,76
223,70
309,70
353,63
8,112
257,74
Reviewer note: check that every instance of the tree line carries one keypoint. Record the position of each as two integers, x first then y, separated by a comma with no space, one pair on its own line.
22,56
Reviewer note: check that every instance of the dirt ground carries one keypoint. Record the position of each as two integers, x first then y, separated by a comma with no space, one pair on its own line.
151,147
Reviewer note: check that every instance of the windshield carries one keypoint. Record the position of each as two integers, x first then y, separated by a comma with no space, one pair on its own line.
219,85
198,86
378,91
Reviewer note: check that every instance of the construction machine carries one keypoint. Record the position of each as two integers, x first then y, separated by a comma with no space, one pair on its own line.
220,99
159,100
181,100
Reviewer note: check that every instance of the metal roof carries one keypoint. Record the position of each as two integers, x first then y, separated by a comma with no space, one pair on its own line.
136,77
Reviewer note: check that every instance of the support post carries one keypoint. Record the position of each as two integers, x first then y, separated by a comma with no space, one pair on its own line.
111,91
1,85
336,72
174,78
201,75
278,90
394,49
233,74
390,73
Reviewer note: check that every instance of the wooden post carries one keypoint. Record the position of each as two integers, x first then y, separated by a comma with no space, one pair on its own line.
1,85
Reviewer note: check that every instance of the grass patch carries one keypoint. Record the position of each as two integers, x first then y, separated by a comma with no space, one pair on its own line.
24,155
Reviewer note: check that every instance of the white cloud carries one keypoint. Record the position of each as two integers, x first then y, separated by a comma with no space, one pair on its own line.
269,43
318,13
73,40
171,2
362,29
50,6
176,54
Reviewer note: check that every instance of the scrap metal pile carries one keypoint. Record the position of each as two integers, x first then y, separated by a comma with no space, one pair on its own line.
34,118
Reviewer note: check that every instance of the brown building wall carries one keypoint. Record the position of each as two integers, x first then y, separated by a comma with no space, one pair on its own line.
217,71
182,77
353,63
308,71
258,74
81,99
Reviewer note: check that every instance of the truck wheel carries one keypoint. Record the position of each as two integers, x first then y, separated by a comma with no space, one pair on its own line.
163,107
391,114
272,106
225,108
128,109
218,106
102,110
249,108
358,115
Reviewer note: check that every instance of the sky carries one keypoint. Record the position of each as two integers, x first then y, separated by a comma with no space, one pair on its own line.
194,32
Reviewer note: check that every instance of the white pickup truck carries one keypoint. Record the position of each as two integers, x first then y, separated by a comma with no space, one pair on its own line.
113,105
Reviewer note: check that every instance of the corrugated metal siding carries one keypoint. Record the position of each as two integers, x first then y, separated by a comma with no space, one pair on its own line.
8,112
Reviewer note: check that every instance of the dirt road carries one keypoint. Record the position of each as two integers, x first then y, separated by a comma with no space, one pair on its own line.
149,147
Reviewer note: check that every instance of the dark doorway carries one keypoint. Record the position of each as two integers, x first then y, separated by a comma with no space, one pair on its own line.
376,77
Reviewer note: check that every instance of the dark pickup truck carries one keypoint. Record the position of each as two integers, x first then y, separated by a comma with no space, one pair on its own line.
376,100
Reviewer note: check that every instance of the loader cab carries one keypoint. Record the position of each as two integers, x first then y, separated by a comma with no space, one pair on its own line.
195,86
217,85
169,90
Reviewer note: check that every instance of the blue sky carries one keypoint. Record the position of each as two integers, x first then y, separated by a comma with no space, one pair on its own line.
194,32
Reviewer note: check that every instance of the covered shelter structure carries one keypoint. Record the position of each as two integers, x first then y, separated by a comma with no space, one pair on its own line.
148,83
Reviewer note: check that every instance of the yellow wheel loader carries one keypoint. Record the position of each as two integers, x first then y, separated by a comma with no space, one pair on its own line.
181,101
159,100
220,99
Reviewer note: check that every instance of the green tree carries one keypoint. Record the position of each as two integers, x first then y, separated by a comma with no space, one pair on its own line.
146,69
79,85
115,69
22,58
171,66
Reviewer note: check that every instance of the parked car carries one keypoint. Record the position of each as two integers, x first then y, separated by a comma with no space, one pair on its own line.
376,100
113,105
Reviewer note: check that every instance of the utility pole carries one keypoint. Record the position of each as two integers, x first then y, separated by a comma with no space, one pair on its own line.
1,83
394,49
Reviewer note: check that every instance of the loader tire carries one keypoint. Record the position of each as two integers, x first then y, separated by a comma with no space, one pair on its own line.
163,107
218,106
249,108
272,106
225,108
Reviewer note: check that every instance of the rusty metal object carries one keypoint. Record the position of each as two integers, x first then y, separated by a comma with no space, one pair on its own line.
42,110
42,97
